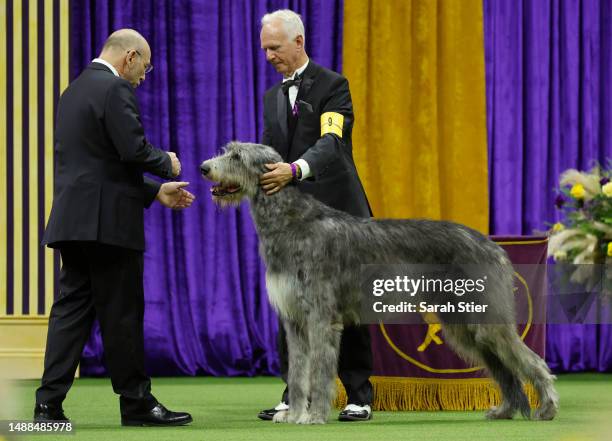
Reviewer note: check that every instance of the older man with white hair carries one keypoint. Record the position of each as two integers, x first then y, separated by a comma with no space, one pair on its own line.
308,119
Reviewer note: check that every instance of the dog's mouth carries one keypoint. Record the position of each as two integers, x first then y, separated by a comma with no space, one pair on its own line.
222,189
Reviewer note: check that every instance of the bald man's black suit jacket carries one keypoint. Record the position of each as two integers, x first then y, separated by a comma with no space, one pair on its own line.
101,153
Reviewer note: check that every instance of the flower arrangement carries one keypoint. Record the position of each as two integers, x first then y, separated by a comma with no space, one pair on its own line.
585,234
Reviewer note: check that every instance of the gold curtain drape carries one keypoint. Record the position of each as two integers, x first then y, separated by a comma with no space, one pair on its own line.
417,78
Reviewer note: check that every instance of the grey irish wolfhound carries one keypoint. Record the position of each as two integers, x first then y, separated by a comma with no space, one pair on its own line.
313,255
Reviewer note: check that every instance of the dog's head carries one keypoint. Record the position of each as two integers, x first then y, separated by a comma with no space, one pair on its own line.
237,170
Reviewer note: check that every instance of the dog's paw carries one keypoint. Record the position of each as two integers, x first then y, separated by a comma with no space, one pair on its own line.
293,417
282,416
303,418
310,419
546,411
500,413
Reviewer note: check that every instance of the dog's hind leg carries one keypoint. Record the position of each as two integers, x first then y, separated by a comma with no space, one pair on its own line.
513,397
534,369
324,338
513,353
297,378
477,345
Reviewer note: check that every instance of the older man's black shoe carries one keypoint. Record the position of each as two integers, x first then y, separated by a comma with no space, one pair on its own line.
267,414
355,413
46,412
158,416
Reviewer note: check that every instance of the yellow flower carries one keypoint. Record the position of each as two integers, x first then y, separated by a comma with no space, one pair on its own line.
607,189
609,248
559,255
577,191
558,227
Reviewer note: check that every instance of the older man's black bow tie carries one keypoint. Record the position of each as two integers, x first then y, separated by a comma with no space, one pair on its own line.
293,82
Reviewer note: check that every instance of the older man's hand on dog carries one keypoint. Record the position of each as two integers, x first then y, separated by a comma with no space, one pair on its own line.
279,176
173,195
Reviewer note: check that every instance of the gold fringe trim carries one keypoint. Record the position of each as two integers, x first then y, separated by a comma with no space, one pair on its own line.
401,393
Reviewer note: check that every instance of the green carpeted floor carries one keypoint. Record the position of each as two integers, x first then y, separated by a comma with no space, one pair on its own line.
225,409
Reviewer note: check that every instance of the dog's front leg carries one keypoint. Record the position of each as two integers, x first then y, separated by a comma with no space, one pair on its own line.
297,345
324,339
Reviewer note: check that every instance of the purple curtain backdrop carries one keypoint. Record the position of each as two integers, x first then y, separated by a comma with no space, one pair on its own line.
548,108
549,98
206,308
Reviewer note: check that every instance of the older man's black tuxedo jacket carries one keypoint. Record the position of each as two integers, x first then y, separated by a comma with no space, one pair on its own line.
334,179
101,153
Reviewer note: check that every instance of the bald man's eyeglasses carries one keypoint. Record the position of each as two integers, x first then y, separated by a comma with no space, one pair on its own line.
148,67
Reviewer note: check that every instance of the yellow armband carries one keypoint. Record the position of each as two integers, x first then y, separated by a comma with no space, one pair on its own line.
332,122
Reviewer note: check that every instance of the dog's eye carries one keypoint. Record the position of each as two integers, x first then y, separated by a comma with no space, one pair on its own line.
235,157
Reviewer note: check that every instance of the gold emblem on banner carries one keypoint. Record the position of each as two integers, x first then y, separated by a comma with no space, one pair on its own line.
332,122
434,328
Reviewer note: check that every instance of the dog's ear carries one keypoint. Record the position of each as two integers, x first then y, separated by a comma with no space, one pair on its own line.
262,167
268,154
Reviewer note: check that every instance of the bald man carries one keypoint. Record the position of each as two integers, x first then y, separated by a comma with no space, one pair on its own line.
97,224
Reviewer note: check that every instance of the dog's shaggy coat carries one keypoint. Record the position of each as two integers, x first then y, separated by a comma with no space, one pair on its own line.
313,255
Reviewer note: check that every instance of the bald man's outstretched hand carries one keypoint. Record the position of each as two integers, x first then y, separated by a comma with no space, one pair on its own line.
173,195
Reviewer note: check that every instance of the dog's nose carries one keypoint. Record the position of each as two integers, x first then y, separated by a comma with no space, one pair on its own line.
204,168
